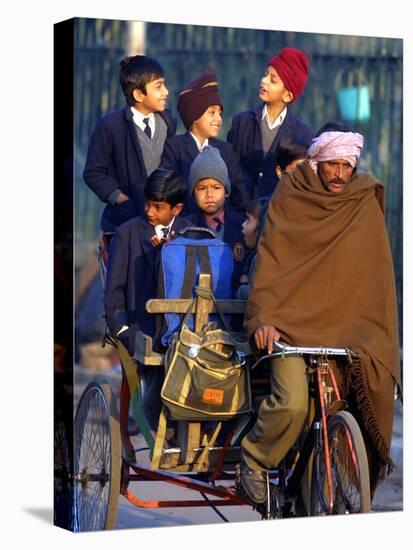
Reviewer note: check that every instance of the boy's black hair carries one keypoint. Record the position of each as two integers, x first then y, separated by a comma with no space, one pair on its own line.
165,186
289,150
334,126
135,73
258,209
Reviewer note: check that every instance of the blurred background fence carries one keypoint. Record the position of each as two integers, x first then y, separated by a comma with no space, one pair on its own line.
352,78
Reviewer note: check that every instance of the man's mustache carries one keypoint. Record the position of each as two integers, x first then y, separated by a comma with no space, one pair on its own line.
337,180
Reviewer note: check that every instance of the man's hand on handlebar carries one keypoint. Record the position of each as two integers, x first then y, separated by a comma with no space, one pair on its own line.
264,337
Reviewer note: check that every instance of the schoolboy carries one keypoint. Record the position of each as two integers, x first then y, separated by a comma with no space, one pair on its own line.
256,133
200,108
127,144
209,184
290,153
132,272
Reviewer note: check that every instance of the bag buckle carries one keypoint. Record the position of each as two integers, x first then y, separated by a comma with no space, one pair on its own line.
240,357
193,351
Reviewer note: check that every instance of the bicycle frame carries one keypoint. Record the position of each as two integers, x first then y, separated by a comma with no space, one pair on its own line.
328,401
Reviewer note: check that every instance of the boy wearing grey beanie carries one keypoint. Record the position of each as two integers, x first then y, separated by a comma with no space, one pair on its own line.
209,184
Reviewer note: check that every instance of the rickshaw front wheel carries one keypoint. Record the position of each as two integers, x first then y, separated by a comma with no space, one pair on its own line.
349,470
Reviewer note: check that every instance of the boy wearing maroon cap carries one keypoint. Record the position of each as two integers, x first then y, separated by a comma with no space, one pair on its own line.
200,108
256,134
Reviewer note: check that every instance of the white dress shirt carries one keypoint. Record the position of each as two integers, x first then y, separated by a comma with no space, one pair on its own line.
138,120
198,143
158,229
278,121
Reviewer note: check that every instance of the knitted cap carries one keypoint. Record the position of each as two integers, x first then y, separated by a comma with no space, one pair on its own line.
292,65
197,96
208,164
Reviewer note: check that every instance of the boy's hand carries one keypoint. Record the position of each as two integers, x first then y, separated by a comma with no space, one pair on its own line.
264,337
122,198
157,241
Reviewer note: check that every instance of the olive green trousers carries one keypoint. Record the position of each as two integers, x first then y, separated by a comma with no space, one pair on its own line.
281,415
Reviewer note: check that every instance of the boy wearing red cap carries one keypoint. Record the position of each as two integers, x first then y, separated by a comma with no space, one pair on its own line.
200,108
256,134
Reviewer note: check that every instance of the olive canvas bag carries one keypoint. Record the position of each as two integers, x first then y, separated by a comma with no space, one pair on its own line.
206,376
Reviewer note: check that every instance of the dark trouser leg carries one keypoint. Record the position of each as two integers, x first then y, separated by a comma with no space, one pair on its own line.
281,415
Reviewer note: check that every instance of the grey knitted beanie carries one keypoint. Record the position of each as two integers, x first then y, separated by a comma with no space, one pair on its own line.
208,164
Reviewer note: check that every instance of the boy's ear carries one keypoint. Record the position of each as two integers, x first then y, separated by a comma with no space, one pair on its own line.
176,210
138,95
288,97
278,171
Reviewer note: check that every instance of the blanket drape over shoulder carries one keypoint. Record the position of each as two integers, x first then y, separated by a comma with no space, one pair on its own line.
325,277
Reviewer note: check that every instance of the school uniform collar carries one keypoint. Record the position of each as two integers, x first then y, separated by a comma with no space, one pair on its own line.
138,117
159,228
170,121
212,222
198,143
278,121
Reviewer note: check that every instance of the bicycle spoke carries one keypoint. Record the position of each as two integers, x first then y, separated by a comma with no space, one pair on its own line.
94,461
349,468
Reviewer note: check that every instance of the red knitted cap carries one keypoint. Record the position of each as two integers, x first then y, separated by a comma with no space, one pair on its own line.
197,96
292,65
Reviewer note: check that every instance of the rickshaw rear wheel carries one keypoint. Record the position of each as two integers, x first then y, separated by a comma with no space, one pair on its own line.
97,459
63,486
349,469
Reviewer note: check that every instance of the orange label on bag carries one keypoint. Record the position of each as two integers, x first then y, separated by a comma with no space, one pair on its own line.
213,396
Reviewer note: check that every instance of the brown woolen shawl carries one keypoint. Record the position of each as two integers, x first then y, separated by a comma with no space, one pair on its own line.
325,277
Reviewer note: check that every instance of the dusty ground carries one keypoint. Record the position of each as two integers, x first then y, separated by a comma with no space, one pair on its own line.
388,497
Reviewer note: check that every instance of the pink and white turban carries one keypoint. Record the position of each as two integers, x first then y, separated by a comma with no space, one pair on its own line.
335,145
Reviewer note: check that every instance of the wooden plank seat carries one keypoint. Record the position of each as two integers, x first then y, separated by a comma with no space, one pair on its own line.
144,352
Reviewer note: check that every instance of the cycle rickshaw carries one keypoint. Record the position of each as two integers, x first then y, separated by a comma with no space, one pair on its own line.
330,454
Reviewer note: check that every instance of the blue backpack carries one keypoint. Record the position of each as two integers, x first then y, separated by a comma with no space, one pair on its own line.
182,259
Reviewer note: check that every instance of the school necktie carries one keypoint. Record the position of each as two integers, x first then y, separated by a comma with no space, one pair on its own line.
165,232
147,130
219,224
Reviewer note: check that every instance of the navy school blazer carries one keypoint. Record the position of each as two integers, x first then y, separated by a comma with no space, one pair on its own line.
245,137
180,151
115,161
132,276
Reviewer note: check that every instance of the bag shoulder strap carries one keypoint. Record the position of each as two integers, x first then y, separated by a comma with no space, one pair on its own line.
159,441
190,270
208,446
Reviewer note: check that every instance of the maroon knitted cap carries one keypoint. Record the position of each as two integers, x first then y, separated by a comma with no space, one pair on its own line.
292,65
197,96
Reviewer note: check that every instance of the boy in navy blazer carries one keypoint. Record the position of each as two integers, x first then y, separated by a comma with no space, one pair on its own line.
200,108
209,184
255,134
126,145
132,273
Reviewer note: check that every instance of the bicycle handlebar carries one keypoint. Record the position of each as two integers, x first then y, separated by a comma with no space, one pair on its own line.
286,349
318,350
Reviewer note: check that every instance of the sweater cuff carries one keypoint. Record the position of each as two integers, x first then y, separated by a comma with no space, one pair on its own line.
114,195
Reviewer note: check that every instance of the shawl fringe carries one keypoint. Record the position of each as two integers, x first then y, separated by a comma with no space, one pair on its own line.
384,465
